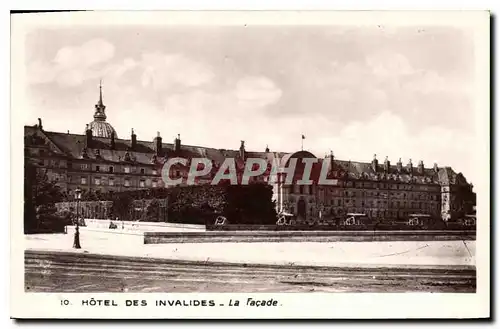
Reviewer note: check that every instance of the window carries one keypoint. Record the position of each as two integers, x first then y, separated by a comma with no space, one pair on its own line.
83,166
142,183
97,181
301,189
97,168
177,173
111,169
69,179
127,170
142,171
83,180
111,181
155,184
155,172
310,189
127,182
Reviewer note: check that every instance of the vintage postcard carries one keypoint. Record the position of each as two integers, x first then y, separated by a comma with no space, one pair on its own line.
250,165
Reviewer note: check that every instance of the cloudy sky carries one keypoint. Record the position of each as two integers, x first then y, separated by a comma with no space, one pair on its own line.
358,91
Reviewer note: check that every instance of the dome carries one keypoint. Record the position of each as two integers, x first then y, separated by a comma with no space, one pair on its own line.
99,127
102,129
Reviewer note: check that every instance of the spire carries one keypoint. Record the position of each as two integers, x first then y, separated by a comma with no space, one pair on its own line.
99,114
100,92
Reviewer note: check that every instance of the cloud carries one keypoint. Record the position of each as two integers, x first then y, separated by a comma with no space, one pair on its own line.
72,66
86,55
357,90
257,91
162,71
388,135
387,65
246,97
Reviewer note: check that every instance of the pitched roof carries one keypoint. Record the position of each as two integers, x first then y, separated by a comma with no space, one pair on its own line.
73,145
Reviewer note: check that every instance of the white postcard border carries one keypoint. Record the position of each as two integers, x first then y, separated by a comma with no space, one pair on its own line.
293,305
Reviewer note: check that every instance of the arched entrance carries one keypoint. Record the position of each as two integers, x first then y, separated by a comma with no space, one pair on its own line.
301,209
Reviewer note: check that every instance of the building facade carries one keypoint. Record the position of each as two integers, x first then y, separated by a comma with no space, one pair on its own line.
98,161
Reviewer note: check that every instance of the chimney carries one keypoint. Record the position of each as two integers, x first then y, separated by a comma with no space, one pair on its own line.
242,150
157,144
133,141
436,168
40,124
88,137
399,165
112,143
387,164
177,143
421,167
267,149
410,167
375,163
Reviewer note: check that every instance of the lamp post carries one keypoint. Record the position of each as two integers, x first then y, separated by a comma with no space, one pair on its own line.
76,240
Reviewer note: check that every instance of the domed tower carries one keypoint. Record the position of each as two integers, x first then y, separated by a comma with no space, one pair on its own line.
99,127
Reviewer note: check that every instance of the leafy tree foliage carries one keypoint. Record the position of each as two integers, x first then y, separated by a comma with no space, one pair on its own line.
122,203
40,196
153,211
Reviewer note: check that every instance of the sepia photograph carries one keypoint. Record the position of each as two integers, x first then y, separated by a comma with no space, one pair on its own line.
317,154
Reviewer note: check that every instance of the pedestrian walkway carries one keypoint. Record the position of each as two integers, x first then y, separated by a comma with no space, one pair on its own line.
395,253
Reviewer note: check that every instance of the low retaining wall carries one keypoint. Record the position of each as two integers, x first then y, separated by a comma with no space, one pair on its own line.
104,223
366,227
302,236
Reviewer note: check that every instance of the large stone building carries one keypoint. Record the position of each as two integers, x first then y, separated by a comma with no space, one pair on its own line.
98,161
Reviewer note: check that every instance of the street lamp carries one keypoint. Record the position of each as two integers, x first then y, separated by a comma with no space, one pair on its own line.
78,196
76,241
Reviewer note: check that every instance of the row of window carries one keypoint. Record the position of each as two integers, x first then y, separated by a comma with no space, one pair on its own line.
302,189
52,163
375,213
389,186
411,196
381,203
112,182
111,169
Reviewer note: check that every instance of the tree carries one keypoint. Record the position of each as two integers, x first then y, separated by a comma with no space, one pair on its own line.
250,204
153,211
121,206
40,196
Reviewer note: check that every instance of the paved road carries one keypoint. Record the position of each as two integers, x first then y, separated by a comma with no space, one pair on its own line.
79,272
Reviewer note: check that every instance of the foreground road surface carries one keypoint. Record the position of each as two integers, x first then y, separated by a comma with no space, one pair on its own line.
76,272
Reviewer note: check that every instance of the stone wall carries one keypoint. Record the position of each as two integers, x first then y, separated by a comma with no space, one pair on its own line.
102,209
